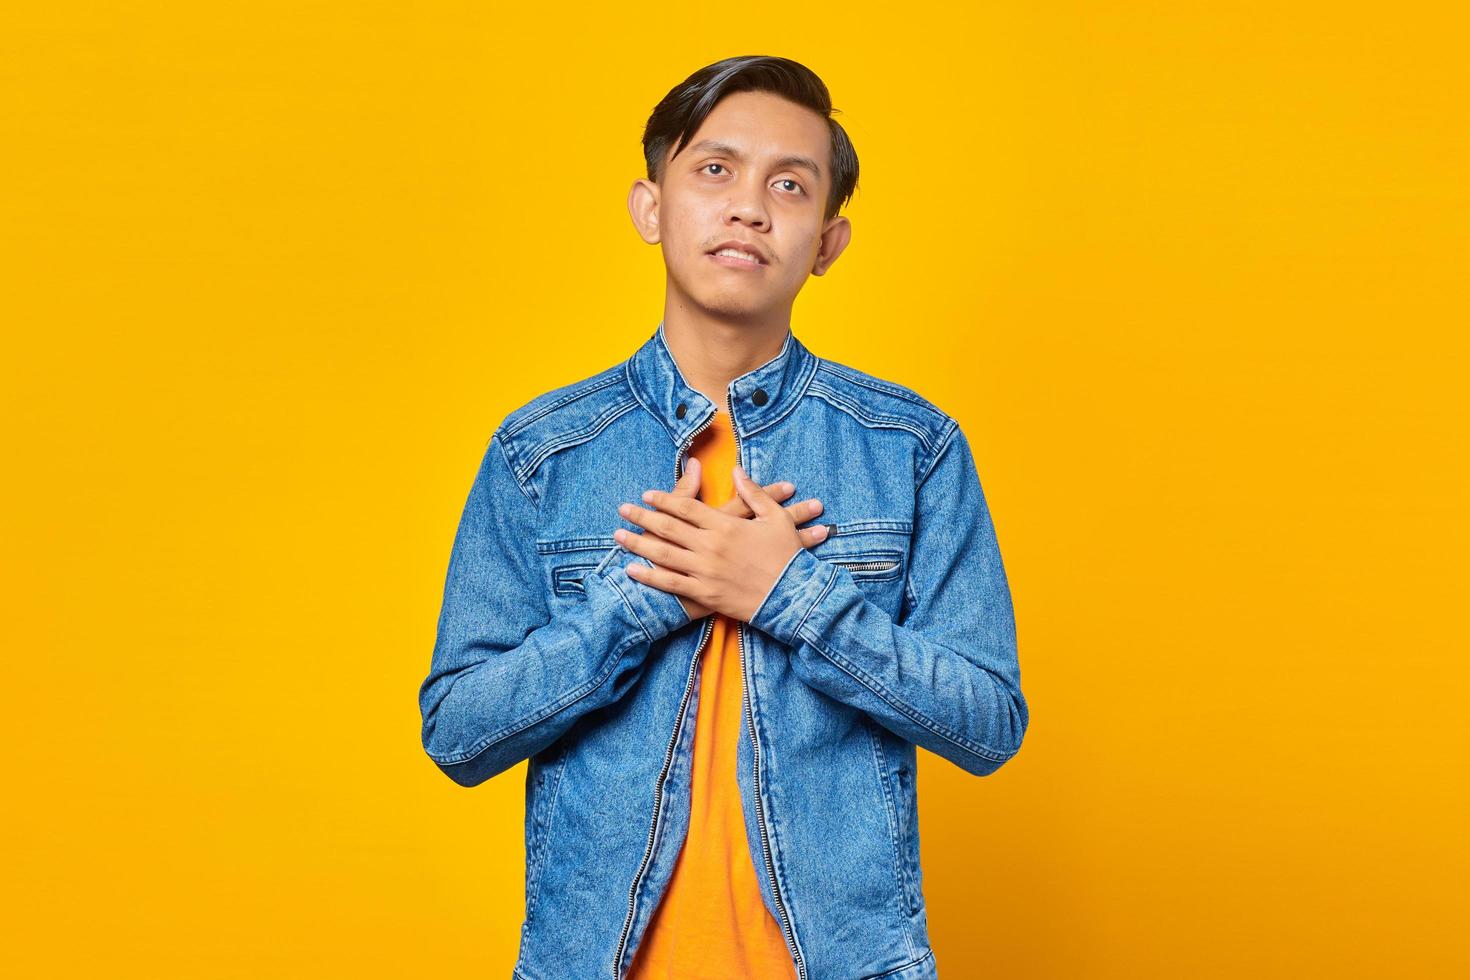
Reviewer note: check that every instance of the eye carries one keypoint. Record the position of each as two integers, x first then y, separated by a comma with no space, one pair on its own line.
788,180
708,165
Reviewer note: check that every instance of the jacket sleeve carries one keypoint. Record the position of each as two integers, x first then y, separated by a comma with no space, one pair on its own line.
945,675
507,679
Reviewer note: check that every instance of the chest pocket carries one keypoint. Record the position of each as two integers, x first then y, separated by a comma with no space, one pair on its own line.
567,560
875,553
566,578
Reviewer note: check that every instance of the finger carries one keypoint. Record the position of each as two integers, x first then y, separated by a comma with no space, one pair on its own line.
805,511
665,526
811,536
800,512
662,578
735,507
751,492
687,509
688,485
657,550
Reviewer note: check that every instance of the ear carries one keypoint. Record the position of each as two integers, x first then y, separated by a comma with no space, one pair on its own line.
834,239
643,208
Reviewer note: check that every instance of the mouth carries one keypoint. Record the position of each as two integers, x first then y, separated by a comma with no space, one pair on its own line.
734,256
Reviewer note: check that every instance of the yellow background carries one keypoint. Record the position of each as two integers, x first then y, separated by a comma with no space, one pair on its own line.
1191,276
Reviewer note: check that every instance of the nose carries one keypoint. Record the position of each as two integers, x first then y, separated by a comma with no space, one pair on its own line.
747,206
750,218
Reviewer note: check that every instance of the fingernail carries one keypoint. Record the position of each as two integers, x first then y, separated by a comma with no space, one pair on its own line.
740,472
821,532
787,485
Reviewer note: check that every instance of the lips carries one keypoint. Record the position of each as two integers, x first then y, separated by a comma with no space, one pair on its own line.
739,246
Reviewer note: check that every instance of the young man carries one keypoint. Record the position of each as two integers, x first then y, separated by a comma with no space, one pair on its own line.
721,706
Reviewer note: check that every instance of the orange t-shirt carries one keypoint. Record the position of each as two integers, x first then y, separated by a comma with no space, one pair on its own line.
711,923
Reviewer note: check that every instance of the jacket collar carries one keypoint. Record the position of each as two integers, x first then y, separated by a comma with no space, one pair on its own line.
757,398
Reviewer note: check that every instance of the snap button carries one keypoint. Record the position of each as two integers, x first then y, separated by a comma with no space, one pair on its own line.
759,396
681,411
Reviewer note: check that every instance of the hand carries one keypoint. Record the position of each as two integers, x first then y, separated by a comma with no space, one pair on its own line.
710,559
688,486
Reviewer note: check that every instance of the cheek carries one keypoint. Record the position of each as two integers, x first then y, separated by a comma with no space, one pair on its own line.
684,217
680,240
797,259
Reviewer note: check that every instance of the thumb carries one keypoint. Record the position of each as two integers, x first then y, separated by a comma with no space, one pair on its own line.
688,485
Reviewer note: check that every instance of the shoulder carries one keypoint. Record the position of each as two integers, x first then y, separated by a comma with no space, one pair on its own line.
564,416
878,402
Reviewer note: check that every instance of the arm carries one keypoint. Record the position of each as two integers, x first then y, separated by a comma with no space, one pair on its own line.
506,678
945,676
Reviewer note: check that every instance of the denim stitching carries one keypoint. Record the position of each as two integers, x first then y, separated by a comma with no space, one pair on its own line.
946,438
563,583
566,440
864,417
561,545
877,384
880,760
928,954
831,580
588,387
629,603
561,768
509,454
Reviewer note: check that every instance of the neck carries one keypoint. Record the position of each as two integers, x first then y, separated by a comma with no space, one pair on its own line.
711,352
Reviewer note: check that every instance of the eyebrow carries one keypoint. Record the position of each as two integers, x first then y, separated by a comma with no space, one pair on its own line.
726,150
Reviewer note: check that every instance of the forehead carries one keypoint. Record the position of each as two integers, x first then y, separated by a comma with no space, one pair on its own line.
765,128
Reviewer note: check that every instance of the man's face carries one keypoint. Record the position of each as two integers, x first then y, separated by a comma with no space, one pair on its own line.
744,177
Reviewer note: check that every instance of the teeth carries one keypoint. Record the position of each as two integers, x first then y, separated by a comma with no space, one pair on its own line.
737,254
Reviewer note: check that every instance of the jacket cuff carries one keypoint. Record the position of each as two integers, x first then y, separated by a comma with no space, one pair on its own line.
657,611
798,589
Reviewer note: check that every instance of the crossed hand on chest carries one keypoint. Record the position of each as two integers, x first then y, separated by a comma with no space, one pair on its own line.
720,559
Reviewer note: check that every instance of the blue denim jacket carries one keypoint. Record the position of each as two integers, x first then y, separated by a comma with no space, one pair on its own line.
895,631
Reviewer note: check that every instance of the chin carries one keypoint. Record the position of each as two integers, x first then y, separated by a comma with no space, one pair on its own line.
735,309
733,302
720,299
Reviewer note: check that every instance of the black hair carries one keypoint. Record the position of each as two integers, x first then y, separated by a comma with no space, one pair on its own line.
680,114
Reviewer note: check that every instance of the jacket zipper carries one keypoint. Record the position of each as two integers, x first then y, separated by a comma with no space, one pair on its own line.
658,797
658,794
755,748
760,817
674,738
866,566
